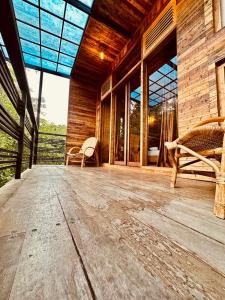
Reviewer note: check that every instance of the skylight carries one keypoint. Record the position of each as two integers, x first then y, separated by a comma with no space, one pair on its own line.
50,32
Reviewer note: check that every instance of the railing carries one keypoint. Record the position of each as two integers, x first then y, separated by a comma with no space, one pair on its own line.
51,148
16,128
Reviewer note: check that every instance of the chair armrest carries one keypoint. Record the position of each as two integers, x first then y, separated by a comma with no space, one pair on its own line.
210,120
71,149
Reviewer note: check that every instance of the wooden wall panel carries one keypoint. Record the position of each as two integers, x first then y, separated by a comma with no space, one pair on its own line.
81,112
199,48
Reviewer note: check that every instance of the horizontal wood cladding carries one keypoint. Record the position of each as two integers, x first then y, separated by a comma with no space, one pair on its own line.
81,112
199,48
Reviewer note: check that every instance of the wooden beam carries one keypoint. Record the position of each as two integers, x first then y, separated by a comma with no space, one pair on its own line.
144,115
111,25
112,129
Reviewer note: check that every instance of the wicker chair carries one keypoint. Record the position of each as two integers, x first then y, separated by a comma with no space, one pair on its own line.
87,152
204,142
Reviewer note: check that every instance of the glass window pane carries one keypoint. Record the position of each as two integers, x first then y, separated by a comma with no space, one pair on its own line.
51,23
165,69
66,60
56,6
27,32
26,12
32,60
50,41
49,65
72,33
49,54
30,48
68,48
87,2
64,70
76,16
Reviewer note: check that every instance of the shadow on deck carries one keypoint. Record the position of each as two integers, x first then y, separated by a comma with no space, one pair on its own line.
107,233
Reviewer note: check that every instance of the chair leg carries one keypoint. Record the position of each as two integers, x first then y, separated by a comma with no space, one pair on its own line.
67,160
174,161
97,158
219,204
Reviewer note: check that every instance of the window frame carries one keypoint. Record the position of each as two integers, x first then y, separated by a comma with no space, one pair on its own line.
217,9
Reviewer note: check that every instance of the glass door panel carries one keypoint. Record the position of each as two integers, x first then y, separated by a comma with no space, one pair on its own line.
120,145
134,119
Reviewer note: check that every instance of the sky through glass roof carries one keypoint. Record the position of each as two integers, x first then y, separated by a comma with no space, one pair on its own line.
50,32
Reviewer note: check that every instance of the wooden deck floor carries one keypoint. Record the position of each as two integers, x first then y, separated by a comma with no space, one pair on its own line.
107,233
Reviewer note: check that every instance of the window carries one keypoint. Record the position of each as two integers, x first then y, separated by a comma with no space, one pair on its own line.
222,8
219,14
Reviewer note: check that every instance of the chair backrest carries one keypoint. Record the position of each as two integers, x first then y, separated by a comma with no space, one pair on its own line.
90,142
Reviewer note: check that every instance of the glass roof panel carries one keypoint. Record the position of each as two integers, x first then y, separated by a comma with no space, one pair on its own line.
27,12
68,48
33,1
50,32
55,6
30,48
32,60
66,60
50,23
49,65
5,52
49,54
72,33
87,2
76,16
28,32
64,70
1,40
50,41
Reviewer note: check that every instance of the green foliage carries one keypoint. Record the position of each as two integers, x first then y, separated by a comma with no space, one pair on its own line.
7,142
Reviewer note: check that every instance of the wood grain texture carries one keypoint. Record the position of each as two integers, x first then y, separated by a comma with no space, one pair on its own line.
110,233
81,112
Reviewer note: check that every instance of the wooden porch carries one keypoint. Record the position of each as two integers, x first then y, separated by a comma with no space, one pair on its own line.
109,233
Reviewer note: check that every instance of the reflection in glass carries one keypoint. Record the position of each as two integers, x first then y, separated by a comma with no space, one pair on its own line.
162,111
120,124
134,119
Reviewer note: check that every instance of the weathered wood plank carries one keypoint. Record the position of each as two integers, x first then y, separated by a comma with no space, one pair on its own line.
10,248
49,266
161,256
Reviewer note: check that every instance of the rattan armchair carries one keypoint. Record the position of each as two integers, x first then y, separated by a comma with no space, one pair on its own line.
88,151
206,143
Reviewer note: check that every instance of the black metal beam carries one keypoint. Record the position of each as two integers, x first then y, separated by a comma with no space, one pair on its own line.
21,138
38,116
10,36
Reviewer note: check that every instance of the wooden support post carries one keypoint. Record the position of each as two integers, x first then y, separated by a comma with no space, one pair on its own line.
112,129
38,117
144,115
32,149
21,138
219,204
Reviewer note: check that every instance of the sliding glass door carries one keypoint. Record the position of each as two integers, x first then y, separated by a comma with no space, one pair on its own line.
134,120
121,121
127,136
